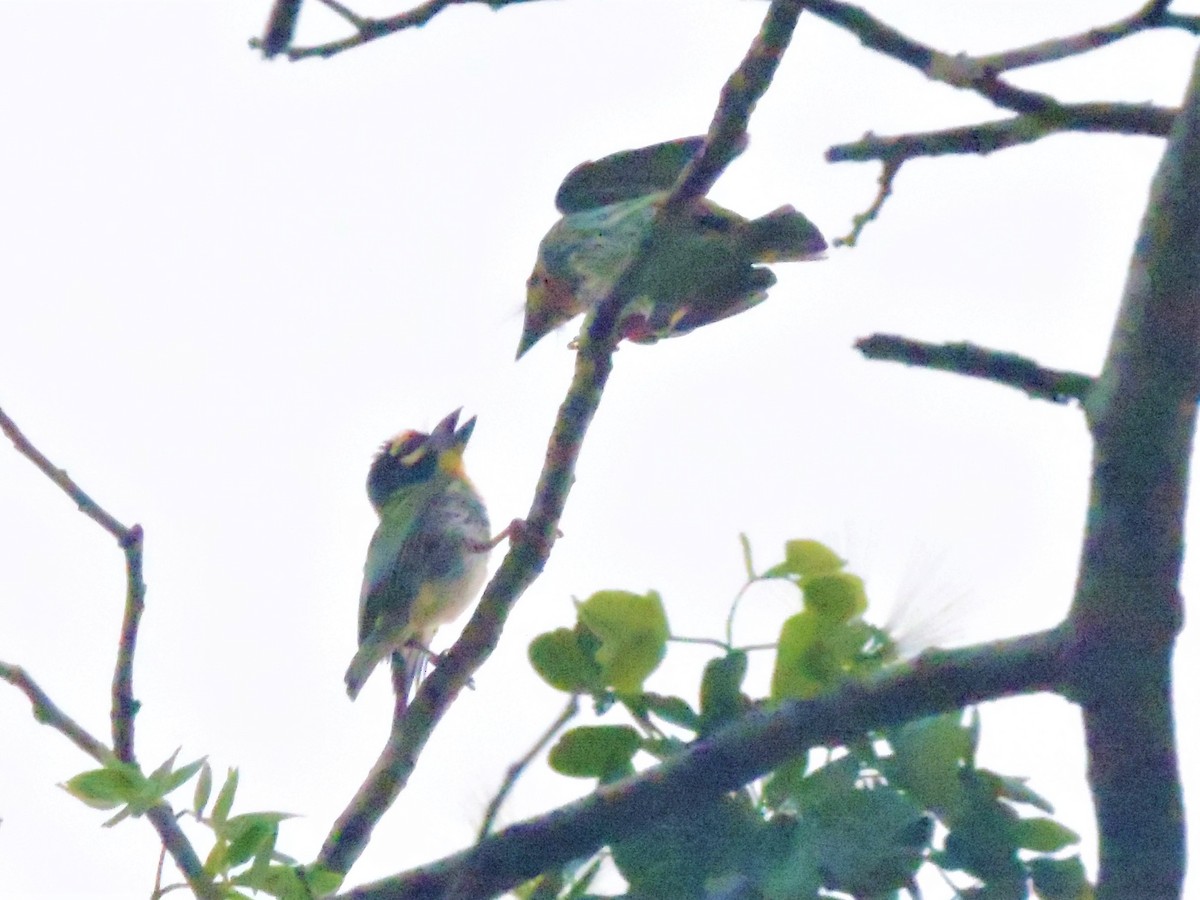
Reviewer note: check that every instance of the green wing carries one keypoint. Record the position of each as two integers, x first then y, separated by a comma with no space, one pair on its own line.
397,520
625,175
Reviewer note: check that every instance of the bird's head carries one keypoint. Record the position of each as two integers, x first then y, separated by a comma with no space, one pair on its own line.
413,458
551,300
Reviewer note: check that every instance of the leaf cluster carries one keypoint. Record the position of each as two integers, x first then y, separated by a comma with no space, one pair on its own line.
859,818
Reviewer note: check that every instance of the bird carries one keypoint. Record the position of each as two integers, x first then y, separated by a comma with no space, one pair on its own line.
706,266
428,556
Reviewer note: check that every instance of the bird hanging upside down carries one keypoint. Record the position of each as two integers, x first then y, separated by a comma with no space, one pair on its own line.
708,266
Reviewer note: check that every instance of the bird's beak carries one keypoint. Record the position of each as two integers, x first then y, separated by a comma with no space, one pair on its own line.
447,435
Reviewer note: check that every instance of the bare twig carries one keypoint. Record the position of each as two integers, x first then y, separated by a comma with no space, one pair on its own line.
980,74
969,359
887,177
987,137
124,707
938,681
517,768
86,504
47,713
1152,15
368,29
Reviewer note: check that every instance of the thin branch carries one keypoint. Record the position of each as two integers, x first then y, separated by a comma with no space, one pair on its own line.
182,854
887,178
86,504
124,707
1127,610
368,29
1008,369
987,137
977,74
346,13
938,681
743,89
516,769
1151,15
45,711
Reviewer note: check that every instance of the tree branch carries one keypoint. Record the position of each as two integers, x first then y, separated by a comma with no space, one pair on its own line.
1127,609
46,712
366,28
936,682
987,137
1151,15
526,558
970,359
124,706
528,554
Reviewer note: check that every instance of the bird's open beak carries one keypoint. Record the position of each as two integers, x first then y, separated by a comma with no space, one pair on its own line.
447,435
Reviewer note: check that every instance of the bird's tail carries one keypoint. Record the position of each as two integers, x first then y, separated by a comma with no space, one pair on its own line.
408,668
782,236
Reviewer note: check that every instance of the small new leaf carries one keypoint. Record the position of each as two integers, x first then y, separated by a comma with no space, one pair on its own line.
225,798
633,633
203,790
805,559
564,663
598,751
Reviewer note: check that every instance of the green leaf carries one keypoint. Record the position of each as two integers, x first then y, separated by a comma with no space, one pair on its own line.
838,595
633,633
1017,790
563,663
1043,835
871,842
721,697
791,869
683,849
595,751
164,768
805,559
747,556
203,790
321,881
225,798
116,784
927,757
670,709
1060,879
804,663
251,834
169,781
277,880
663,748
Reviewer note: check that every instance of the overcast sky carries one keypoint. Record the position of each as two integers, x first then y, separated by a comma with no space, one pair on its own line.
225,282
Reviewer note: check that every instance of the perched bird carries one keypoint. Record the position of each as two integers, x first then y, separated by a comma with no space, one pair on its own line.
703,269
428,557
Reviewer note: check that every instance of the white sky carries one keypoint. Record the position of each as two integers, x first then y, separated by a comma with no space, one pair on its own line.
225,282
